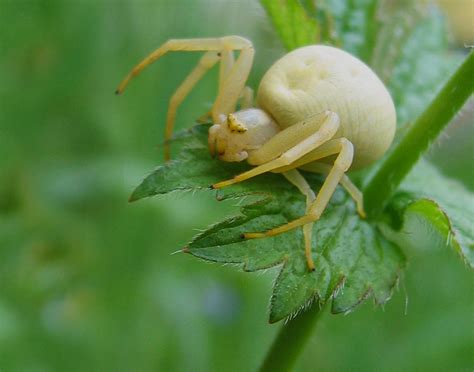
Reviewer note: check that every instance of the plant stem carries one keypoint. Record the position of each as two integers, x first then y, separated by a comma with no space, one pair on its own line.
290,341
426,128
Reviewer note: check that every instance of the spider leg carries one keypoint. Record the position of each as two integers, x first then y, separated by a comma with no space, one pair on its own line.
299,181
232,75
246,101
247,98
207,61
308,163
289,145
342,163
187,45
345,182
232,85
227,61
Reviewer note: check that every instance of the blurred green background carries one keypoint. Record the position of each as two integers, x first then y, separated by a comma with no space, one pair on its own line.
88,282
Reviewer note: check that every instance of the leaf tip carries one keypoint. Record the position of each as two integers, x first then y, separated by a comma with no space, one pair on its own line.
133,198
273,318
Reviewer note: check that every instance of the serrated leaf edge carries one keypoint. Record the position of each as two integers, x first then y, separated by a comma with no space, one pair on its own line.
452,236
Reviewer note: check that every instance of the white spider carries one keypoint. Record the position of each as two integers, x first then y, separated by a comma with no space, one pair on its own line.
320,109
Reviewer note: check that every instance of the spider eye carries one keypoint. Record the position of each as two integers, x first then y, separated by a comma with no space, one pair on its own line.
235,125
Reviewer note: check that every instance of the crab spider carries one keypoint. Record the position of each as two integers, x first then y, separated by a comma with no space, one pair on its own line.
319,109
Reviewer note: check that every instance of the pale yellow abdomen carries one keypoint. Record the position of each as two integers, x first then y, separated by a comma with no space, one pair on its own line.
316,78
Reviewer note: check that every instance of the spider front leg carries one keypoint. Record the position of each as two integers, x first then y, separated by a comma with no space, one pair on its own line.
345,182
309,163
227,61
292,144
247,98
341,165
233,75
206,62
289,145
299,181
246,102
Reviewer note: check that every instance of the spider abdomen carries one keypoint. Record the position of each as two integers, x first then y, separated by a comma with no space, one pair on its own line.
316,78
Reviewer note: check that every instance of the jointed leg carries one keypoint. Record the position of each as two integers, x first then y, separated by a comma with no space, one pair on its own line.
226,65
206,62
247,98
245,103
341,165
345,182
298,180
233,84
308,163
188,45
233,75
227,61
285,156
294,135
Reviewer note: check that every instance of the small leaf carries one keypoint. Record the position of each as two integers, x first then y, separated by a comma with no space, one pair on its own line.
434,211
354,261
294,25
404,155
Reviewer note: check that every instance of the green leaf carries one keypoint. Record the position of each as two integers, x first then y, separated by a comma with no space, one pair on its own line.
404,155
294,25
354,261
356,25
433,211
404,68
398,26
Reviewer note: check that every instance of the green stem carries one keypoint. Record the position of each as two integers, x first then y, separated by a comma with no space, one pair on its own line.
290,341
417,139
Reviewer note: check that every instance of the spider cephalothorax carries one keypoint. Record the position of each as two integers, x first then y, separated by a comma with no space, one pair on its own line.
241,133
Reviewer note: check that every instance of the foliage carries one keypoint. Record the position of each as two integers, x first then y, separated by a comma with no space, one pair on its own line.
442,212
355,260
416,139
292,22
348,273
88,281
